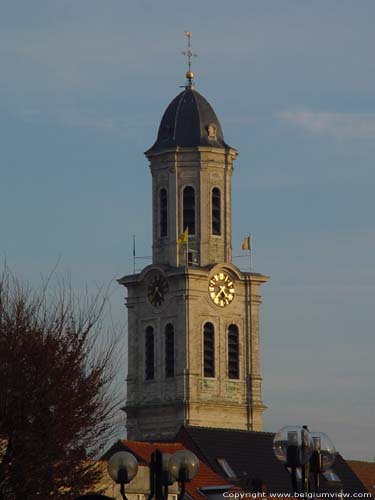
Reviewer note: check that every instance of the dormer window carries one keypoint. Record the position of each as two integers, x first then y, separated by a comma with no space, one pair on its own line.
226,468
331,476
211,131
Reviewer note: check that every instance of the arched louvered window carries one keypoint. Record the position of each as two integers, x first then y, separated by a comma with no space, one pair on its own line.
209,350
216,214
149,354
189,209
163,216
233,352
169,350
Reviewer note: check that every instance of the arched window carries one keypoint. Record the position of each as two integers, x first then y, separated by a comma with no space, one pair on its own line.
169,350
216,214
163,216
149,353
209,350
189,209
233,352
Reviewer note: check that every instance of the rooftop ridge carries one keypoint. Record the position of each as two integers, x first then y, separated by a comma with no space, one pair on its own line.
244,431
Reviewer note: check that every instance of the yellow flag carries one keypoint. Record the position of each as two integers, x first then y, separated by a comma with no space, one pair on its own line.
246,243
184,237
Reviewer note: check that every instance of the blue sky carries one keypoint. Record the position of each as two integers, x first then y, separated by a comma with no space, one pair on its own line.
83,87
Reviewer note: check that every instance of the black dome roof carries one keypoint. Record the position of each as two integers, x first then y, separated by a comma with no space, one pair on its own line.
189,121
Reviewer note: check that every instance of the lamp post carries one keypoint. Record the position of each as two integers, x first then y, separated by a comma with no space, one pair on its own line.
183,466
165,469
310,452
322,458
122,468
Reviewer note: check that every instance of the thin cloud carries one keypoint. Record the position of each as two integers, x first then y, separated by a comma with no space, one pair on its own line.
133,128
78,118
75,118
339,125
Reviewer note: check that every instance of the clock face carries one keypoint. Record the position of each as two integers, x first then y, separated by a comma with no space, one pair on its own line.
221,289
157,289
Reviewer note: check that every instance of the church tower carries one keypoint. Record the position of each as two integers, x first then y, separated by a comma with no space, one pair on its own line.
193,328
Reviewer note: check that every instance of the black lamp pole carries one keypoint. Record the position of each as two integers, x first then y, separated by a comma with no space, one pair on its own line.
305,469
158,477
316,463
182,478
292,461
294,458
165,469
123,479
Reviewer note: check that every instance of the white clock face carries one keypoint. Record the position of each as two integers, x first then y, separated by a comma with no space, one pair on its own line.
221,289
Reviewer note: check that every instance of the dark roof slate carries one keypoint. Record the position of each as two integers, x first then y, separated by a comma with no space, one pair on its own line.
186,122
251,456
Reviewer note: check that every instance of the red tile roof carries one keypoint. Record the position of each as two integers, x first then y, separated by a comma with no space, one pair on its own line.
206,477
365,471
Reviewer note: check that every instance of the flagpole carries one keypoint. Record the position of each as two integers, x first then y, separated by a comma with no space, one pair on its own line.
251,336
250,252
187,248
133,253
177,253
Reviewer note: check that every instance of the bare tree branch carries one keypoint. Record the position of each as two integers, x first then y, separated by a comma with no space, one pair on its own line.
57,395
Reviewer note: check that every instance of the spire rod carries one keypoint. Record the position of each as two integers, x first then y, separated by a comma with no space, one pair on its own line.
189,54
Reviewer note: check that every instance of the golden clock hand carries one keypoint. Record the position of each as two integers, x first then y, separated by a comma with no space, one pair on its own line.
219,292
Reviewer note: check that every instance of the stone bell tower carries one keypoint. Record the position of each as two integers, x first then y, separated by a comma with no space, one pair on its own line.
193,329
191,169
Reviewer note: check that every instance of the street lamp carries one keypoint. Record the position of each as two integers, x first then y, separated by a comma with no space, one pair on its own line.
122,467
323,456
311,453
165,469
183,466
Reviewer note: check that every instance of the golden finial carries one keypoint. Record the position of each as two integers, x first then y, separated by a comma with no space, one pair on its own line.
189,55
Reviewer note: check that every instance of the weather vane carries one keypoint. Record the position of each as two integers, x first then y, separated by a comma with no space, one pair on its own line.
189,54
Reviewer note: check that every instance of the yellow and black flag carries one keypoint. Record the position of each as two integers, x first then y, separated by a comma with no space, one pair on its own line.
184,238
246,243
